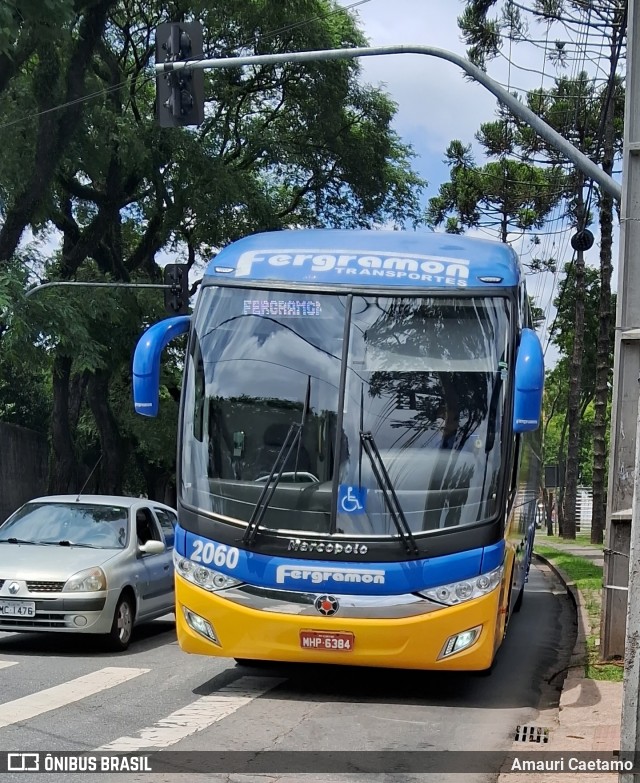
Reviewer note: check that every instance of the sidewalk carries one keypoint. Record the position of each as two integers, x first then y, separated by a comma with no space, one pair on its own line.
589,716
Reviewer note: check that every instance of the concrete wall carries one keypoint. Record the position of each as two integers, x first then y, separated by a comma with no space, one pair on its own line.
23,467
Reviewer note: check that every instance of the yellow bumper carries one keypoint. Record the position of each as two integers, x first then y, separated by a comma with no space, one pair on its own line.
407,643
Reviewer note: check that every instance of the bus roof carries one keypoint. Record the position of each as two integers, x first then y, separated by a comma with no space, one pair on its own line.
364,257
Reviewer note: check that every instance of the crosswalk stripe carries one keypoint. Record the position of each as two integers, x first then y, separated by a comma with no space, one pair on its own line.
4,664
60,695
196,716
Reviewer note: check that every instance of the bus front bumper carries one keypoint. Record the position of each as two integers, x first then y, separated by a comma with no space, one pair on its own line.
415,642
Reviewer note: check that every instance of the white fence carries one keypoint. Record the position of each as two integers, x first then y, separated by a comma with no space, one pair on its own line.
584,509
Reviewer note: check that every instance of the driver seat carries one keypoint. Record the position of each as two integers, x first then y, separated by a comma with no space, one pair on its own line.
273,438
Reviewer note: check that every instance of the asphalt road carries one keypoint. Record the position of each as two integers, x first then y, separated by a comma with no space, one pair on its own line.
66,694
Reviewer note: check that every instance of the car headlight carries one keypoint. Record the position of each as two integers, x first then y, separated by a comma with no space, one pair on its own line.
91,580
465,590
203,577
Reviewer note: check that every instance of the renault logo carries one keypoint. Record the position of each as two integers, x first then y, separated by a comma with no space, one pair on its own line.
327,605
13,588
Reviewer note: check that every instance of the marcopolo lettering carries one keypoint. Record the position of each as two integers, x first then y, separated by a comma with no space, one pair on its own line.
316,576
439,269
328,547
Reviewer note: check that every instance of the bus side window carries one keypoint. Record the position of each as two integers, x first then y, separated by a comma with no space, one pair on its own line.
199,393
513,489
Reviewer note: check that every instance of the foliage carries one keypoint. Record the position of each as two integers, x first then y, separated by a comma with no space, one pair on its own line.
20,19
505,195
557,380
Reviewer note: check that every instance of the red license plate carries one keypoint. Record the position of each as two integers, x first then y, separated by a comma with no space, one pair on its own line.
333,641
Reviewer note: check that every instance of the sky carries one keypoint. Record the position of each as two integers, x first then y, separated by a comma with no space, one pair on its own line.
436,104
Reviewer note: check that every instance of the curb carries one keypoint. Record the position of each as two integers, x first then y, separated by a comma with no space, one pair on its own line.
579,654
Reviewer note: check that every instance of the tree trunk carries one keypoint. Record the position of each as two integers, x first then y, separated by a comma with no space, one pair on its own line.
573,406
562,467
63,465
158,482
603,360
112,444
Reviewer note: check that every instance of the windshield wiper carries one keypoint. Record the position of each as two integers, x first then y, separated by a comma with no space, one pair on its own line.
45,543
388,492
293,435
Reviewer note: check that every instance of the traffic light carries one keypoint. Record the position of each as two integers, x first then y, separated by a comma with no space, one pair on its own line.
179,94
176,299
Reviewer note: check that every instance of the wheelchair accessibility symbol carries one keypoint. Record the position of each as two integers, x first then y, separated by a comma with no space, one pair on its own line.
351,499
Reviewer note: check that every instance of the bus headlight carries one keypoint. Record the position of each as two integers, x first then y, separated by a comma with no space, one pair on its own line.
203,577
465,590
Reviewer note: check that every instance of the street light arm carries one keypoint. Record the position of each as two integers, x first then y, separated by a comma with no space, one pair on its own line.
585,164
66,283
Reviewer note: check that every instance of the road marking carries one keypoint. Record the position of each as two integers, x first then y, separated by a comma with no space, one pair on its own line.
4,664
60,695
196,716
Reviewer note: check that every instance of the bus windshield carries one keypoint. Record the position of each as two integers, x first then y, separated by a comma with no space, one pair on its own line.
423,378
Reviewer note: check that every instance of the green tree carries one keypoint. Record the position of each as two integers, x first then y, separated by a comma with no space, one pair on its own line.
57,55
485,26
281,146
505,195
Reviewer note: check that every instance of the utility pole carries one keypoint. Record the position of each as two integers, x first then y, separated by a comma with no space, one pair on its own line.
626,363
621,607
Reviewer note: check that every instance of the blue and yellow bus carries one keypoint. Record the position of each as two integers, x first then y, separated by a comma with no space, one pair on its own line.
358,450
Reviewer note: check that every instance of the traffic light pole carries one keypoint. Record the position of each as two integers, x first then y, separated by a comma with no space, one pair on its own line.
175,287
585,164
60,283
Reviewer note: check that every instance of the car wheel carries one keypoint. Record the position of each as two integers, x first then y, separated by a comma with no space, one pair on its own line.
122,626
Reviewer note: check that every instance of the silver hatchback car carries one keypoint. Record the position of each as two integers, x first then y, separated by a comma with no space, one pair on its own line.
97,564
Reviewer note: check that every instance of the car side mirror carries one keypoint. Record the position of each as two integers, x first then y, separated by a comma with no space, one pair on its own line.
152,548
529,383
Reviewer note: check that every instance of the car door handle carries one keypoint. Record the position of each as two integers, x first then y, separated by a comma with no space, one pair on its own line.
166,568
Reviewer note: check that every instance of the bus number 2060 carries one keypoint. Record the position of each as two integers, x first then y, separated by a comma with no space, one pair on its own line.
207,552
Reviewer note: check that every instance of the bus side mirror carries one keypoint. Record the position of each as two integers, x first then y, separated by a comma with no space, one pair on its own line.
529,383
146,362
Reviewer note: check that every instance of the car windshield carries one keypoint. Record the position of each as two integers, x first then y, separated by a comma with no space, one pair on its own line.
84,524
425,377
